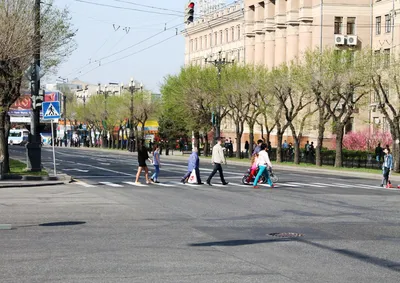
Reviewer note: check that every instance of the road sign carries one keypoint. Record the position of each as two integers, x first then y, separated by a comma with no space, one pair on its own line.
51,110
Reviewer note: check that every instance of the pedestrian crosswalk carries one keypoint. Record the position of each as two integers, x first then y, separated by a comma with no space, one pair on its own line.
169,183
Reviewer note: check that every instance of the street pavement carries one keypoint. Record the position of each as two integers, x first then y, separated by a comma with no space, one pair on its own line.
104,228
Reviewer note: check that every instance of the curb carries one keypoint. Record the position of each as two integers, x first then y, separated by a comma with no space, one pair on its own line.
61,177
19,185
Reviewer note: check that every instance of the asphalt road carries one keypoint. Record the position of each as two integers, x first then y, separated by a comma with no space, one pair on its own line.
346,229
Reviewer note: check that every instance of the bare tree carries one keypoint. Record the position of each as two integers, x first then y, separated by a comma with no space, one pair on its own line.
386,86
16,45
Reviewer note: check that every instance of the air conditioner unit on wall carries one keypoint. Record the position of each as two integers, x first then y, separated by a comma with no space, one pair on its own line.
352,40
339,39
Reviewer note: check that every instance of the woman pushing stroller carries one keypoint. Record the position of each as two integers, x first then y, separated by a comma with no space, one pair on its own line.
263,163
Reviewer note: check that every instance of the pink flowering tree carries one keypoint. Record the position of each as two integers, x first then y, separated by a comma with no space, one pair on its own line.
363,139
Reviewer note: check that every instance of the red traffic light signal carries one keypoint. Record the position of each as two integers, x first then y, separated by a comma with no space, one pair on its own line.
189,13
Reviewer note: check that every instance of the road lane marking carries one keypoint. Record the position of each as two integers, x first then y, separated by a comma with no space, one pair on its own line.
163,184
108,170
110,184
135,184
79,170
84,184
289,185
306,184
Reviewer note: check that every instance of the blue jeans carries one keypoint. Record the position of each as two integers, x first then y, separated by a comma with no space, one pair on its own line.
262,169
155,175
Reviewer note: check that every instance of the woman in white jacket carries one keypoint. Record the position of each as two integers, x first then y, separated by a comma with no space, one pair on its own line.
262,162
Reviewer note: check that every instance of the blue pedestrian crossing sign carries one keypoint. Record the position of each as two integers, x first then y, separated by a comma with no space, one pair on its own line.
51,110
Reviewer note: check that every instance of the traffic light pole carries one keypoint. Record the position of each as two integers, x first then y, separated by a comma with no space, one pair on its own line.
34,154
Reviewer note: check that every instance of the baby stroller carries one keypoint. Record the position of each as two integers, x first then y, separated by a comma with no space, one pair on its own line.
247,180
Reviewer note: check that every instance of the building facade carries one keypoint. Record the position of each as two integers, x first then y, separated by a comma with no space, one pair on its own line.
216,31
275,32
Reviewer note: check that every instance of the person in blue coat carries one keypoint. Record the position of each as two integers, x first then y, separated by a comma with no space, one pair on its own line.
193,163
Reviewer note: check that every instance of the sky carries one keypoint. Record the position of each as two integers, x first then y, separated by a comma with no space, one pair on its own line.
105,32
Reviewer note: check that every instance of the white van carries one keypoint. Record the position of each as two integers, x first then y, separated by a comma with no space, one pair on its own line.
18,136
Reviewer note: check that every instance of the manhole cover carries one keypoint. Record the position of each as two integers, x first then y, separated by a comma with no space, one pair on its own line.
286,235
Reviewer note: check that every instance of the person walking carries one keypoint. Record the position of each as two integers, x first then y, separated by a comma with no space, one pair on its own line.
263,161
193,163
143,155
246,147
258,147
379,152
387,166
156,163
217,159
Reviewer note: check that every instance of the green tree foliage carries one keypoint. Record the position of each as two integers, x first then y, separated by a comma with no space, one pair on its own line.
189,99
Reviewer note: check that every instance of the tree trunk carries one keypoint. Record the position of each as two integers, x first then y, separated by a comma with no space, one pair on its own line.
251,137
279,147
296,149
238,137
395,131
339,131
320,140
206,145
4,129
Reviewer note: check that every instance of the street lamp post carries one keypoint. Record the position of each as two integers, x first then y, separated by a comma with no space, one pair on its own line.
219,62
83,96
105,92
133,89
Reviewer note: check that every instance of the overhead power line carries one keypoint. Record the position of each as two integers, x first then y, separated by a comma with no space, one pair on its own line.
147,6
129,9
134,53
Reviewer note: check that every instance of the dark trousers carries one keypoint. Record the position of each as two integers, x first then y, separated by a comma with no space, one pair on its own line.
385,179
217,167
197,170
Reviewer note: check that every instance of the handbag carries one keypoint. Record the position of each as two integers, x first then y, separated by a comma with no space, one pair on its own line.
192,177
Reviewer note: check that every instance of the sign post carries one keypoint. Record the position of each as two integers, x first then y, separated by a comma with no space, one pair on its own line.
51,111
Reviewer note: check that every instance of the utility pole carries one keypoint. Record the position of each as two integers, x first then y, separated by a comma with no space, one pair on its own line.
133,89
65,138
34,158
219,62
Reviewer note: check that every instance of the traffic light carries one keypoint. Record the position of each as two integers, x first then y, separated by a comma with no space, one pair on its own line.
189,13
38,100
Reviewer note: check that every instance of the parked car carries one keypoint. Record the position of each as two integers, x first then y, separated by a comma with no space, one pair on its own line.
18,136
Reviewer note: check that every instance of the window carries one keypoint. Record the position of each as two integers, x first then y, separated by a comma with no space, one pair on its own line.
215,39
388,23
338,25
205,41
195,44
378,22
386,55
201,43
238,32
220,37
191,45
351,25
232,34
211,42
226,36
